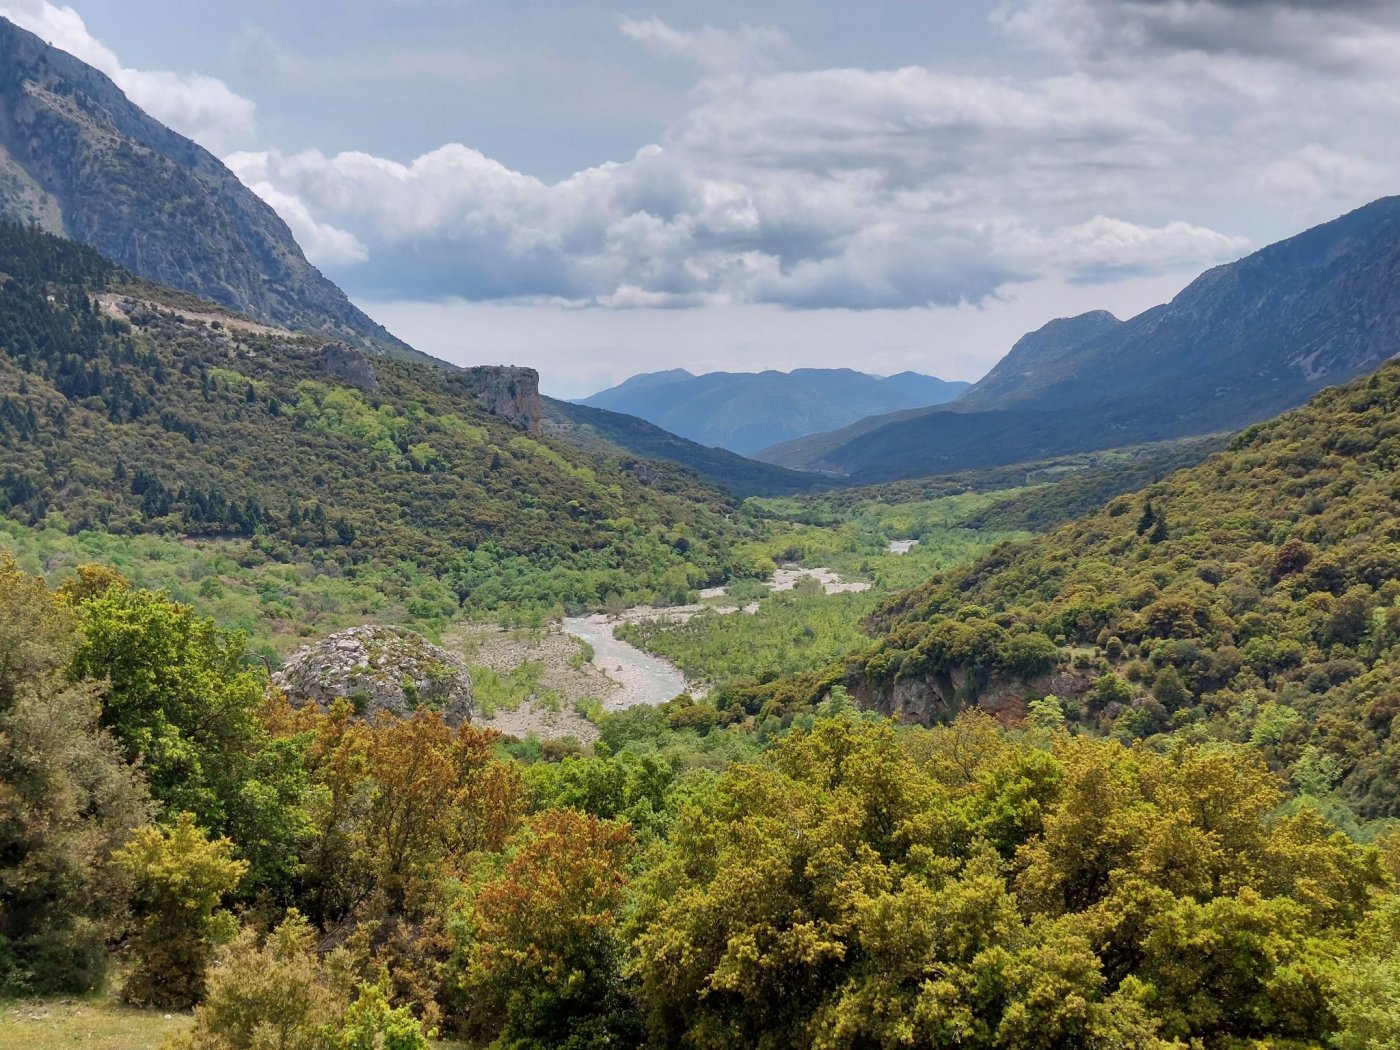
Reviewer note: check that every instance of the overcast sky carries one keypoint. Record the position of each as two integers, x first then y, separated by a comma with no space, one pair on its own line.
598,190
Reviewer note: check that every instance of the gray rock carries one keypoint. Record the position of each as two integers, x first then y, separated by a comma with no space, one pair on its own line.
379,669
351,366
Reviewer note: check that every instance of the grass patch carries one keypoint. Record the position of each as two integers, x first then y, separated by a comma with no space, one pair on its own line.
99,1023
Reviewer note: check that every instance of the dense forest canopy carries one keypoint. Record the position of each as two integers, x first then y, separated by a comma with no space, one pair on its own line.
1253,598
847,883
153,423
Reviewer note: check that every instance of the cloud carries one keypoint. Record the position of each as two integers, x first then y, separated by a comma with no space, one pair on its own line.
1333,35
201,107
714,51
829,188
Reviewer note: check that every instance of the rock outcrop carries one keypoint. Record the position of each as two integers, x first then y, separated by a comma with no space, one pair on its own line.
350,366
507,391
931,699
379,669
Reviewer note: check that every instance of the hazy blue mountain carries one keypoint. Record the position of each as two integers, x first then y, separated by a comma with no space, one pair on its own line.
79,159
1243,342
610,433
748,411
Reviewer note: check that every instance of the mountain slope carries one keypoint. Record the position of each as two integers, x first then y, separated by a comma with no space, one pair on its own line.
1037,355
748,411
613,433
1254,597
1243,342
122,414
78,158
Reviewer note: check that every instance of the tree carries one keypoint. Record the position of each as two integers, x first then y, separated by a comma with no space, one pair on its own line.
540,958
67,801
185,707
180,878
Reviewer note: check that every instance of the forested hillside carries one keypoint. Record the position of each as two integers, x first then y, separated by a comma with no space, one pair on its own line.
132,418
1255,598
839,882
608,432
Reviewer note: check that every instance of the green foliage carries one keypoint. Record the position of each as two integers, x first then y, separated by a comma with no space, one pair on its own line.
851,893
180,878
184,705
156,432
1254,598
67,802
282,994
538,955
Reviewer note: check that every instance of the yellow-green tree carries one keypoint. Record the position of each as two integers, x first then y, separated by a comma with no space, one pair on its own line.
180,879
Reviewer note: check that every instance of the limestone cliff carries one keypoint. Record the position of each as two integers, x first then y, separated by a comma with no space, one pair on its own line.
930,699
508,391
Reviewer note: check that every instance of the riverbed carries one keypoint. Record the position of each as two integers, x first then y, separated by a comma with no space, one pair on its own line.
641,678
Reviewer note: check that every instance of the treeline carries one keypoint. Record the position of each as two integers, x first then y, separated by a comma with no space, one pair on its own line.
312,880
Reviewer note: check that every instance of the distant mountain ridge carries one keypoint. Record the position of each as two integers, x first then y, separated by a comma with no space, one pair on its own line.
748,411
1241,343
81,160
603,432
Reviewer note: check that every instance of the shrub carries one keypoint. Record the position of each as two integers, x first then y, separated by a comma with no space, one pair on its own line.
180,879
281,994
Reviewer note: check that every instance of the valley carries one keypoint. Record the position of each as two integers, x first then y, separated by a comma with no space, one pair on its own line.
781,695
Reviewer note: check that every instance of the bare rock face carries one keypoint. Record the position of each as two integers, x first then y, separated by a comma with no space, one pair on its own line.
507,391
350,366
934,698
379,669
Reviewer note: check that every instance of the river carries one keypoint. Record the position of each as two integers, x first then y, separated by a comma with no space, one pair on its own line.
641,677
646,679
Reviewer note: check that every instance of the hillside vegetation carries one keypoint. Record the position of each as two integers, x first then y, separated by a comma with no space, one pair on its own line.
831,881
1254,598
148,423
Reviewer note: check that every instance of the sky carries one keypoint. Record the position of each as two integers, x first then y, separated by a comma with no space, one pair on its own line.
598,190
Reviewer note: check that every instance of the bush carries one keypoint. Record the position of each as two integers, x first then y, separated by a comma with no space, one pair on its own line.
180,878
281,994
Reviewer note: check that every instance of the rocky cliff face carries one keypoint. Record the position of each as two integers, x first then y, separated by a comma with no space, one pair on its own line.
350,366
80,159
507,391
378,669
930,699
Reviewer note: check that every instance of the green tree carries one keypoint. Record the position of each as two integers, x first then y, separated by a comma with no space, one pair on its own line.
67,801
180,879
185,707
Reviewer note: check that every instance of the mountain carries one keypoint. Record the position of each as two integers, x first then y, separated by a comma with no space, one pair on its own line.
131,410
1250,598
1242,342
80,160
748,411
616,434
1037,356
